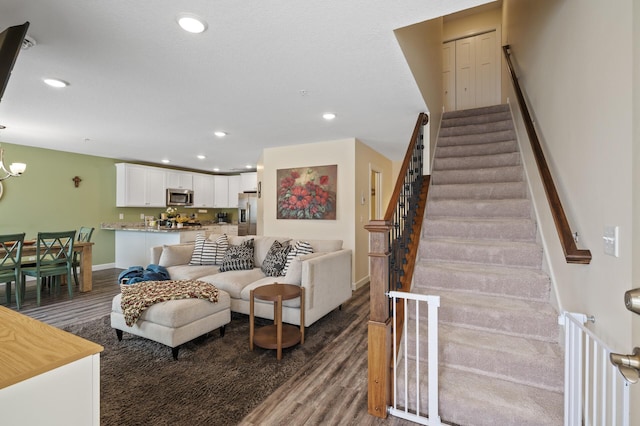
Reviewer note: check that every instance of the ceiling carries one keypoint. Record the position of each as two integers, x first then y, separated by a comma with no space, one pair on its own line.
142,89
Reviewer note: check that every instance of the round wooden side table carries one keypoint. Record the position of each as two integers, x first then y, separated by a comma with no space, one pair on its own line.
277,335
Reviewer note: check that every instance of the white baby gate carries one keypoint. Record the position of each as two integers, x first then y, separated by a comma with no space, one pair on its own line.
595,393
414,414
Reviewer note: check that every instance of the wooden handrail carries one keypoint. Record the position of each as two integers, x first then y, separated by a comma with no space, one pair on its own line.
571,253
393,243
422,120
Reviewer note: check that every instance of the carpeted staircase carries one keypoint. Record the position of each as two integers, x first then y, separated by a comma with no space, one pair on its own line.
500,361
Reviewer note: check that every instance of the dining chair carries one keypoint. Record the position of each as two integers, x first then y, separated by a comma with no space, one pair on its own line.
54,257
84,235
10,256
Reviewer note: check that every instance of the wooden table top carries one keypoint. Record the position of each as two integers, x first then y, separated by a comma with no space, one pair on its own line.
29,347
272,291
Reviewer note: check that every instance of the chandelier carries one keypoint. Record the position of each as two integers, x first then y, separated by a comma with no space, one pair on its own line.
15,169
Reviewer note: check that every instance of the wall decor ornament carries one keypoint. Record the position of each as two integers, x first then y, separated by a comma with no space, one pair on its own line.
307,192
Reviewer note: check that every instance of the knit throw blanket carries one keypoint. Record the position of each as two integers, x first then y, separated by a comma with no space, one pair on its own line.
136,298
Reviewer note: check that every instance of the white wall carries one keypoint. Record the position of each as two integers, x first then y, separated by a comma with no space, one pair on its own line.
467,23
574,60
340,152
635,390
421,45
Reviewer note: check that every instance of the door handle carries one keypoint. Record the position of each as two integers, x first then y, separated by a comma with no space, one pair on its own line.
632,300
628,365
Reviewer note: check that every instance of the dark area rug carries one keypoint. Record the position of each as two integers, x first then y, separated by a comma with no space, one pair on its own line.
216,380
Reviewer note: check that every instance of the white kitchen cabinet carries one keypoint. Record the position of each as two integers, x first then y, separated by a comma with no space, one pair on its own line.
203,190
133,247
234,189
139,186
249,182
179,180
221,191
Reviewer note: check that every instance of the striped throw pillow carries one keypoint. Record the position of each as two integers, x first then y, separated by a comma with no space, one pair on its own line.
300,247
207,252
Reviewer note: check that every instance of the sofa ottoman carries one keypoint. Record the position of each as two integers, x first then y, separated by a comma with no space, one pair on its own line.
175,322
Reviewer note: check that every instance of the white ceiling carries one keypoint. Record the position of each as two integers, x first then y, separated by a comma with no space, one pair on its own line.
142,89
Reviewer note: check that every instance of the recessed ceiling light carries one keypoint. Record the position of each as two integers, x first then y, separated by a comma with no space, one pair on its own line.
201,157
54,82
249,166
165,161
220,134
216,169
328,116
192,23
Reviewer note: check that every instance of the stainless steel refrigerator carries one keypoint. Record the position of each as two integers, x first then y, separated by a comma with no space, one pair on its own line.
247,213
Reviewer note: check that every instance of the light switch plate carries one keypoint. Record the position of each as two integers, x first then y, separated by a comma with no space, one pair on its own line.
610,238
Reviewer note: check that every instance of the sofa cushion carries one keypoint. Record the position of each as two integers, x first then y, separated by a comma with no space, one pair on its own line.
234,281
207,252
275,259
176,254
299,247
294,273
238,258
191,272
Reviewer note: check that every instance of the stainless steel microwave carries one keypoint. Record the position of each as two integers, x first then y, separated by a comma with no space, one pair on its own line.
179,197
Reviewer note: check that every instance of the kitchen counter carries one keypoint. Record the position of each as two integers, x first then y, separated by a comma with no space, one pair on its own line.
138,227
134,240
43,364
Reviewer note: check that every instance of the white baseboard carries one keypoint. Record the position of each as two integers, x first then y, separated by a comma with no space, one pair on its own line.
360,283
103,266
93,268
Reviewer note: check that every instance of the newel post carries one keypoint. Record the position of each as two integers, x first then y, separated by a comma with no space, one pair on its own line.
379,334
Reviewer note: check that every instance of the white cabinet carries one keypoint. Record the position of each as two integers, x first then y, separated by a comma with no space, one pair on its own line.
249,181
234,189
139,186
221,191
203,190
133,248
179,180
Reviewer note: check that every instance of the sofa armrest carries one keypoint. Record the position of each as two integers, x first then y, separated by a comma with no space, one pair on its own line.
154,254
327,282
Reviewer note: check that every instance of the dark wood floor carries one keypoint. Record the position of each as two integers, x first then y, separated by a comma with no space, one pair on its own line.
330,390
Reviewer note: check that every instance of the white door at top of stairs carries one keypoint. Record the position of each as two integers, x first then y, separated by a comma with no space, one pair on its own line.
470,73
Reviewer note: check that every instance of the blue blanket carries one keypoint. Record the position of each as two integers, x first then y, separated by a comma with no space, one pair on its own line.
136,274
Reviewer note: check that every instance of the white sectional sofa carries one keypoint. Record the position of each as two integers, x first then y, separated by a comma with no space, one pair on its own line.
325,274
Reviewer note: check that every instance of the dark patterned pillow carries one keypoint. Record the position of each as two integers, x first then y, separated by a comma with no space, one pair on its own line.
238,258
207,252
300,247
275,259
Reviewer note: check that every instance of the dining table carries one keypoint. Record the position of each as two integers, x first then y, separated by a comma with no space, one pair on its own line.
84,248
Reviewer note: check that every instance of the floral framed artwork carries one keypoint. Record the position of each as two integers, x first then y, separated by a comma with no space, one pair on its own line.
307,192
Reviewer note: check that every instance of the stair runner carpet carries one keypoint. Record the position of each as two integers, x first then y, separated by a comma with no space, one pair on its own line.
500,361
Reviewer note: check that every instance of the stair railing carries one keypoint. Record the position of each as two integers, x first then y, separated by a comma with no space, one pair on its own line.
391,258
571,253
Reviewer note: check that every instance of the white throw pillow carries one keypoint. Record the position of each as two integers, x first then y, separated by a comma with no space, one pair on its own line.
174,255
